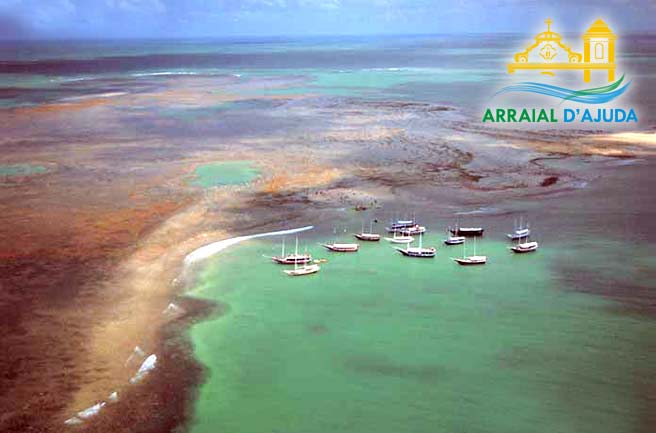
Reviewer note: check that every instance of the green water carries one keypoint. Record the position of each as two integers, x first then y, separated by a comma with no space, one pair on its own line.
381,343
361,82
21,169
224,173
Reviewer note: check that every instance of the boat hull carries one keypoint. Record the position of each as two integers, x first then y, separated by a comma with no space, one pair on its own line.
400,240
412,232
306,270
467,262
467,232
521,249
426,253
368,237
292,261
400,225
515,236
342,249
454,241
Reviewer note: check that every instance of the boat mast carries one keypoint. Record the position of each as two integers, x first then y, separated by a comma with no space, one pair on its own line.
282,254
296,255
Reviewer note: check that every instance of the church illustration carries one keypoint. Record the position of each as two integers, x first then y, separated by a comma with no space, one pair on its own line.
548,53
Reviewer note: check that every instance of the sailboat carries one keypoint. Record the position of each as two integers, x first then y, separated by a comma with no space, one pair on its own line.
341,247
470,260
401,224
524,247
306,269
291,259
412,231
400,239
454,240
519,232
419,252
368,236
466,231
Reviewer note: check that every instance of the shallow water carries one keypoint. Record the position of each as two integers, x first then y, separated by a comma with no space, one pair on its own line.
224,173
10,170
378,342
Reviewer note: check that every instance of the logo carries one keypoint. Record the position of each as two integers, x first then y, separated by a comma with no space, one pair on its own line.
549,55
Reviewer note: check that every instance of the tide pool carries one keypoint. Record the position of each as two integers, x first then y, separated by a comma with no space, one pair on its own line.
224,173
10,170
381,343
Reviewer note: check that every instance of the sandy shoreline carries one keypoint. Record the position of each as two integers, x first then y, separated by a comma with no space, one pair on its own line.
136,320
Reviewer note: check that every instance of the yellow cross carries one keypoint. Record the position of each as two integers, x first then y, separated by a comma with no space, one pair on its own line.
548,22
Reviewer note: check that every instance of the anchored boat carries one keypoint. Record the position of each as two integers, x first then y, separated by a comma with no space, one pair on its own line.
291,259
520,231
470,260
342,248
400,225
367,236
306,269
454,240
525,247
419,252
400,239
412,231
467,231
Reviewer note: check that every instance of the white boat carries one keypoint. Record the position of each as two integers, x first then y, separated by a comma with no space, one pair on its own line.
400,224
419,252
303,270
519,232
525,247
342,248
400,239
412,231
306,269
454,240
470,260
367,236
291,259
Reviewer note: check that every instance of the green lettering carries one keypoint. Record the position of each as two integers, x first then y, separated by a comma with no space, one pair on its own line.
487,117
524,117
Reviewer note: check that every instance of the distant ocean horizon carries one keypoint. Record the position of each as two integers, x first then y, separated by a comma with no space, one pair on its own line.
442,68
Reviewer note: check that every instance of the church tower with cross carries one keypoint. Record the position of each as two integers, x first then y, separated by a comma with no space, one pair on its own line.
548,53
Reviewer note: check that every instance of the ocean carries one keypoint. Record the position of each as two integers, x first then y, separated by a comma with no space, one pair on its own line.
436,68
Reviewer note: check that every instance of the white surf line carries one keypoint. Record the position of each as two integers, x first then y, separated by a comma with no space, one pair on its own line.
215,247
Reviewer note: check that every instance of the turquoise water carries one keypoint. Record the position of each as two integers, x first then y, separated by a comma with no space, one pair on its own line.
224,173
10,170
362,82
381,343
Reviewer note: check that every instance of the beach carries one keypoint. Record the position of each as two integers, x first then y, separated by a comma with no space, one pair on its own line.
114,177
